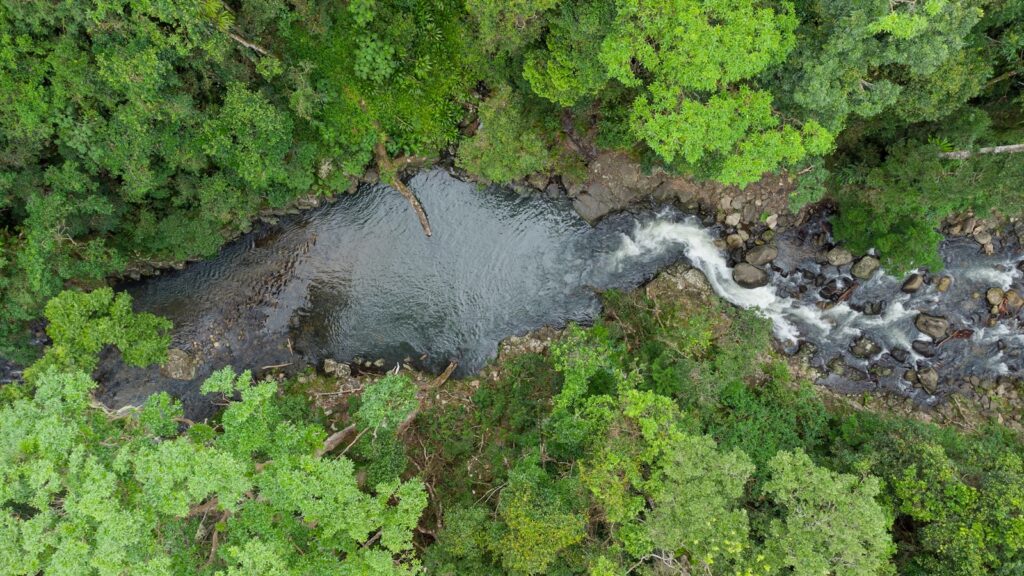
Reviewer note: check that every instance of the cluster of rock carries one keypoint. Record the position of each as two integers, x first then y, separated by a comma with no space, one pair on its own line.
984,232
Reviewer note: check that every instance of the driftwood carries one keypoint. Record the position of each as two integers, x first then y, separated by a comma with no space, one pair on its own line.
387,166
964,154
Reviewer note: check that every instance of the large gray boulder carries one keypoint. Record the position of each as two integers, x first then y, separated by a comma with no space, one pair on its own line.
761,255
865,267
934,326
749,276
839,256
913,283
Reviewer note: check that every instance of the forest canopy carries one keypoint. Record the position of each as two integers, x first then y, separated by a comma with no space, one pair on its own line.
150,131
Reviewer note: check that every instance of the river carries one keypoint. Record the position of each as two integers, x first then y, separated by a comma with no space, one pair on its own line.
358,280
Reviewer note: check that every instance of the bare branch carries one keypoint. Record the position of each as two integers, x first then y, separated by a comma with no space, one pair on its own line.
964,154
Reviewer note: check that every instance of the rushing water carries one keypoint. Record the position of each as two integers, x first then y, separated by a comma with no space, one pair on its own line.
358,279
802,309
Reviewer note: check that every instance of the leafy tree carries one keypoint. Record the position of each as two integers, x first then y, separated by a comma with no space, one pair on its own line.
832,524
567,69
507,146
81,324
696,62
913,60
86,494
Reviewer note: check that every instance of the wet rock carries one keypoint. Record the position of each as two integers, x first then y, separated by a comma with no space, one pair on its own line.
761,255
1014,301
873,308
928,378
734,241
865,267
924,348
839,256
944,283
338,369
913,283
910,376
538,181
934,326
837,366
179,365
749,276
614,181
982,236
899,354
834,288
988,249
994,296
864,348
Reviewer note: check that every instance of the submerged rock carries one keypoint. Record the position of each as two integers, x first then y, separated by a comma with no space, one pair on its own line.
864,348
839,256
749,276
944,283
924,348
179,366
865,267
761,255
934,326
899,354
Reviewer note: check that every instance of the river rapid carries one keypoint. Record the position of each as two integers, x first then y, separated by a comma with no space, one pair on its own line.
357,281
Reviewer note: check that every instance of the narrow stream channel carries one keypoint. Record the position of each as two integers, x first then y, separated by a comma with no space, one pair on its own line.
358,279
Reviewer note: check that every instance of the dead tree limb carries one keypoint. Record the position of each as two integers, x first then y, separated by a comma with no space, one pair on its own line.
335,440
964,154
249,45
387,169
441,379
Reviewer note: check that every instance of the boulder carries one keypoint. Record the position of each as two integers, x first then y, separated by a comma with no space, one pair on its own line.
944,283
839,256
335,368
899,354
734,241
1014,301
928,378
761,255
749,276
925,348
865,267
994,296
913,283
733,219
179,365
934,326
864,348
982,236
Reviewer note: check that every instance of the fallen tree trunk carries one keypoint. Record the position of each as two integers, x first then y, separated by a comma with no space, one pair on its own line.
386,167
964,154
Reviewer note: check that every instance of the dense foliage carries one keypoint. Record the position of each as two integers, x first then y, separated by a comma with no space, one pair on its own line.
149,492
660,441
153,130
652,444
